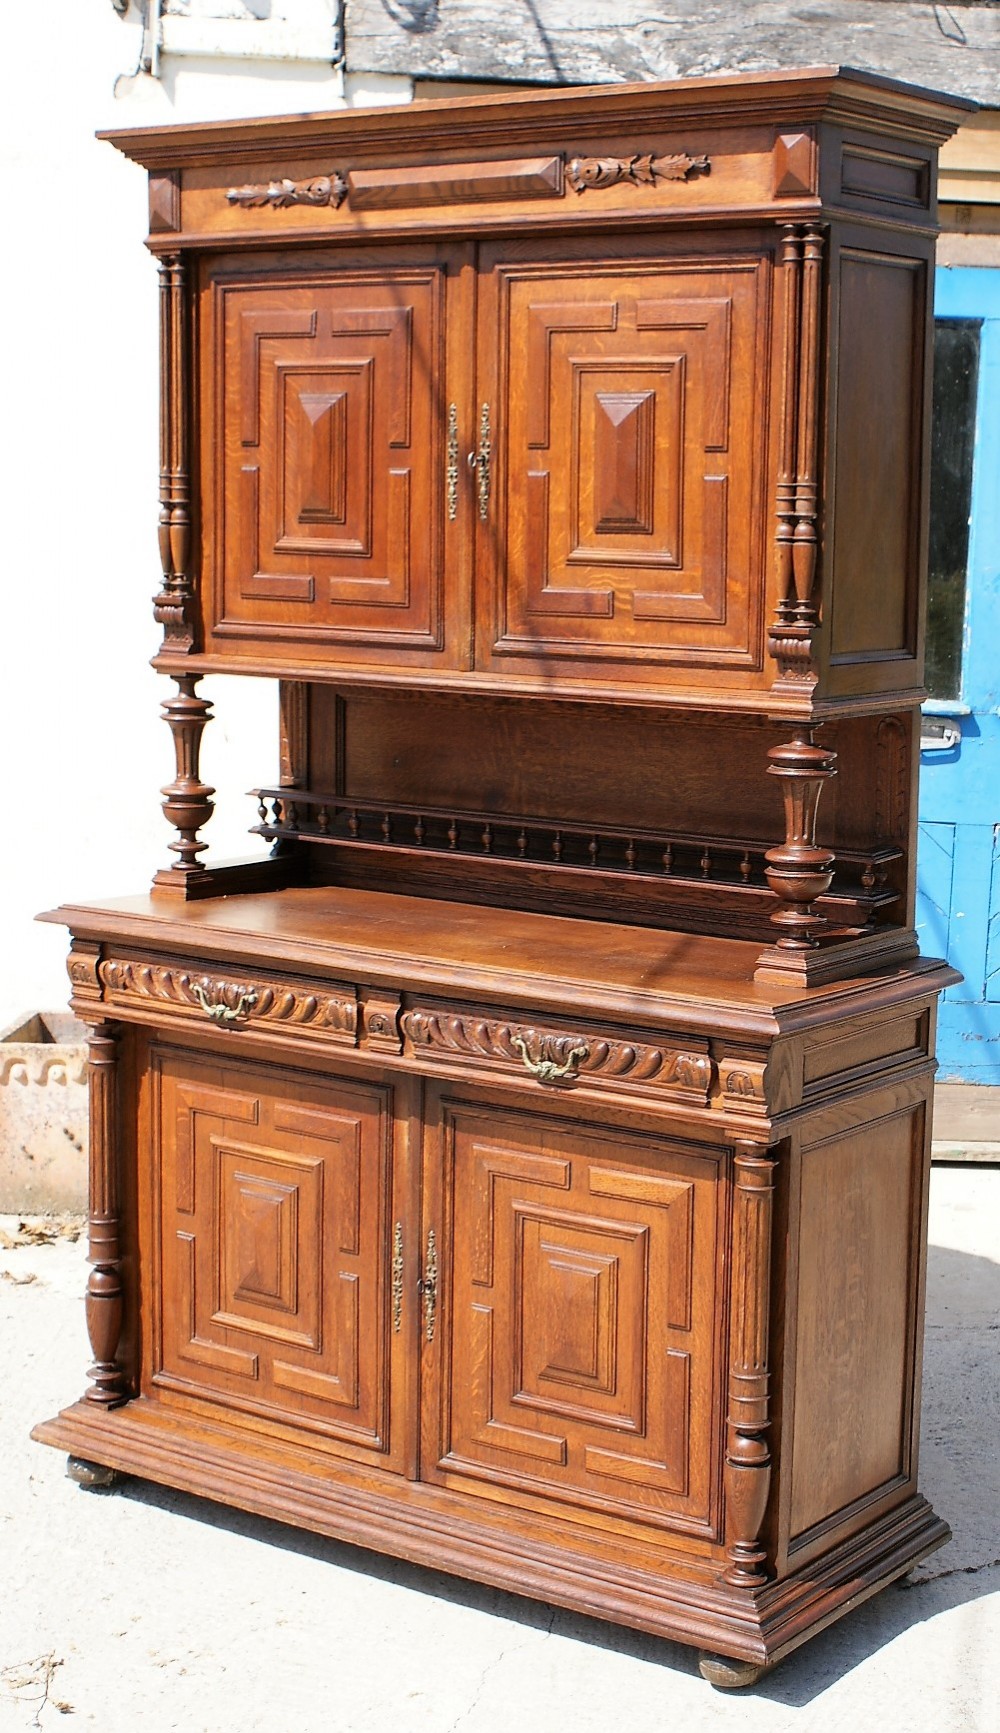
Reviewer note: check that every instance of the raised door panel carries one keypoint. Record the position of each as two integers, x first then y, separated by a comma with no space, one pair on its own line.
627,530
578,1352
272,1197
330,497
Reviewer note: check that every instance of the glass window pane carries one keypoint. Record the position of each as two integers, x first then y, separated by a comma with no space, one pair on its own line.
953,432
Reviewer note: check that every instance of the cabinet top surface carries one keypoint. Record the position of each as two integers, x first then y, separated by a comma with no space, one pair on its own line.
584,965
801,95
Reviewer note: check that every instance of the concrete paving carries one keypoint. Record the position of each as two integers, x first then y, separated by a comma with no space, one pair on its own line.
147,1609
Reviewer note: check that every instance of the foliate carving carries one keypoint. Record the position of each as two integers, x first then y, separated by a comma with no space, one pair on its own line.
742,1087
328,189
251,1001
380,1022
585,172
631,1063
81,966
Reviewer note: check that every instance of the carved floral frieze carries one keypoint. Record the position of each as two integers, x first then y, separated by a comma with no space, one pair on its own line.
277,195
586,172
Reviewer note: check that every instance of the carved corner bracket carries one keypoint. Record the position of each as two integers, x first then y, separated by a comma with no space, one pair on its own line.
586,172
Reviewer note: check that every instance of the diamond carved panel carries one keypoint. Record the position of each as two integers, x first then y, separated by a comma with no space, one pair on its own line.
274,1233
632,497
582,1349
327,478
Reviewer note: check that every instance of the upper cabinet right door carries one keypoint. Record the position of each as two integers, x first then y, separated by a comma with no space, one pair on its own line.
623,517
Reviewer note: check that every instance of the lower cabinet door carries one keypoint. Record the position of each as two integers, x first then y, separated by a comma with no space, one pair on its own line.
273,1243
576,1347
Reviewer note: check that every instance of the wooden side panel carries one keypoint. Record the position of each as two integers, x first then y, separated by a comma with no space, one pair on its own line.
859,1232
273,1203
630,406
878,465
325,467
581,1335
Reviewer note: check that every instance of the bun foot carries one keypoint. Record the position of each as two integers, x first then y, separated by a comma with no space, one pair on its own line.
729,1675
91,1475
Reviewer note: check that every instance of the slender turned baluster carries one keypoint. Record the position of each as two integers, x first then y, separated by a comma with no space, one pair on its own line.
187,803
798,871
104,1284
791,634
748,1456
173,606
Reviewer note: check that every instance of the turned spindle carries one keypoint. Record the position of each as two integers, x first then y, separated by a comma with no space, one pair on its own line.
104,1284
187,801
797,870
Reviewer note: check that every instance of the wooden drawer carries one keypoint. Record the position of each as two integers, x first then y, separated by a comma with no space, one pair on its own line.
559,1056
167,992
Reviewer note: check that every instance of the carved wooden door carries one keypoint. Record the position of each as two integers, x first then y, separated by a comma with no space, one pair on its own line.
272,1194
576,1342
625,529
328,471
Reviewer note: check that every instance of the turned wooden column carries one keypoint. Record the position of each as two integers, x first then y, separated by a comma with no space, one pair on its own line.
747,1478
104,1284
798,871
173,606
187,803
790,639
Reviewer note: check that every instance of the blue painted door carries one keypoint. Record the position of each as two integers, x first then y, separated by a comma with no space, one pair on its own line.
958,860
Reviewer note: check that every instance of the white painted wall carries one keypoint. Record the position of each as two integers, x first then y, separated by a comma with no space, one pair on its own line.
85,750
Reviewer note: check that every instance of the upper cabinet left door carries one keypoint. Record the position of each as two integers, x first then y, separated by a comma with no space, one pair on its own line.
327,526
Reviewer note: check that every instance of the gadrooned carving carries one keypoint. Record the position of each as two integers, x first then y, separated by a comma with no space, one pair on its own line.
253,1001
584,172
631,1063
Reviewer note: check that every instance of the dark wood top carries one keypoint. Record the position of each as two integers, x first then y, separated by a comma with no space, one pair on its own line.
515,118
502,955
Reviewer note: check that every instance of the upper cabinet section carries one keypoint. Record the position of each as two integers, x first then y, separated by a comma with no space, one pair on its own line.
594,393
323,521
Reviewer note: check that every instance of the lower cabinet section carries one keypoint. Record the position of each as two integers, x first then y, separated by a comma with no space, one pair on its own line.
619,1358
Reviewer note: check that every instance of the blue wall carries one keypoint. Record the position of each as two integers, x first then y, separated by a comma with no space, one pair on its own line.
958,862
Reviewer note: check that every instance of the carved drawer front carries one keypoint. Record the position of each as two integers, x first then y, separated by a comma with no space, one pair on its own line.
630,467
580,1327
560,1059
230,1000
273,1199
329,481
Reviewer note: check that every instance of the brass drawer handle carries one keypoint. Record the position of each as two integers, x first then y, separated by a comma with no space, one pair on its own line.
221,1013
428,1287
452,470
480,461
546,1070
397,1278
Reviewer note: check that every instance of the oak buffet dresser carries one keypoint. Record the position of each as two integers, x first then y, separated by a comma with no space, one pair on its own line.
523,1170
